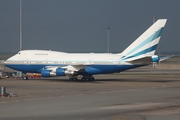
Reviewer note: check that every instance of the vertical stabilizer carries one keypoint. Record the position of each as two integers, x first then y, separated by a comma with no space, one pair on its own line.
146,43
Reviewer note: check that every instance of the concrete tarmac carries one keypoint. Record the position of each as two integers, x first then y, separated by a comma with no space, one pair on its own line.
111,97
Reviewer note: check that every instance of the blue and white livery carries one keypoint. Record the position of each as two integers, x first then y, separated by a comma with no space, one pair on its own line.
51,63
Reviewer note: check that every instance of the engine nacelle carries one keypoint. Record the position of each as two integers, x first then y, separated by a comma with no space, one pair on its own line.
57,72
45,73
155,59
60,72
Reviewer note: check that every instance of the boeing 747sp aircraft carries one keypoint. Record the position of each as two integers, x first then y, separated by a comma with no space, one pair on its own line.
52,63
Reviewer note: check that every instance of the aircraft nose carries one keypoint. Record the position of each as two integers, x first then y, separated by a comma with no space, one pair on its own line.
6,62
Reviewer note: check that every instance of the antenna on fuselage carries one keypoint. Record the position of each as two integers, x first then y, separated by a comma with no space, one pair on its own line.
153,18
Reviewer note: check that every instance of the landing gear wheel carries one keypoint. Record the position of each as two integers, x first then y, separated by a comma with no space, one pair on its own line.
88,78
92,79
73,78
82,79
25,78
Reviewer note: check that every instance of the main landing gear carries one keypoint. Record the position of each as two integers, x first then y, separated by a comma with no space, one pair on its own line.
84,78
24,77
87,78
73,78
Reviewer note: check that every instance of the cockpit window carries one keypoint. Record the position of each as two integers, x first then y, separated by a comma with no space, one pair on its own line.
19,53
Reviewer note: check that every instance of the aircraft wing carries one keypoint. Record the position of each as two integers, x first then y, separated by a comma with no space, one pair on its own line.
74,67
67,67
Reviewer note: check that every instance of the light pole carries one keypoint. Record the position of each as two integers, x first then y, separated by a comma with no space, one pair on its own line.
20,73
20,25
108,28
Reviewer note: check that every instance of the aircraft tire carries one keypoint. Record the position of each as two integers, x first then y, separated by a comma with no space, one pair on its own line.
25,78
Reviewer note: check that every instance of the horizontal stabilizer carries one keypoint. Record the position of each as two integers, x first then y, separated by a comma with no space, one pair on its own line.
147,59
165,58
144,60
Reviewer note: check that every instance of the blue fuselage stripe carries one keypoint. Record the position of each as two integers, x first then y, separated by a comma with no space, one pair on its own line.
92,69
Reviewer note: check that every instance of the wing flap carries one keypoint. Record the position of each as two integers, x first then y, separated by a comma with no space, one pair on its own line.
74,67
67,67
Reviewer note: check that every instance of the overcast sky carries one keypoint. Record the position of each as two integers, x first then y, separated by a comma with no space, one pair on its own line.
80,25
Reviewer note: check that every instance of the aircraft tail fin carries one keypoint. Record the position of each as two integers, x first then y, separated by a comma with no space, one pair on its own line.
146,44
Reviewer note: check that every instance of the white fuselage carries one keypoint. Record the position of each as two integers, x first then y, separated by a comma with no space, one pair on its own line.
53,57
90,63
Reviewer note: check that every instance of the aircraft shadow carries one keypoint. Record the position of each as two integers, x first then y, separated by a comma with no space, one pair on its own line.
105,80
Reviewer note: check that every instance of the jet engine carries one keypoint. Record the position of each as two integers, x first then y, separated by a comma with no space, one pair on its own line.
56,72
